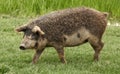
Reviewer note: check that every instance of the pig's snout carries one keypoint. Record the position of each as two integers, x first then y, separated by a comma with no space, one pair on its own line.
22,47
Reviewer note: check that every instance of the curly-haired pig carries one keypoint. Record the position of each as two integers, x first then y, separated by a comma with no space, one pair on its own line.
65,28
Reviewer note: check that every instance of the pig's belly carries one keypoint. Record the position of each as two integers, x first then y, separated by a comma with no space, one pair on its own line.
77,38
74,40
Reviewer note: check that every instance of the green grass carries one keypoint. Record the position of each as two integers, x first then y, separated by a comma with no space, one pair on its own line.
38,7
79,59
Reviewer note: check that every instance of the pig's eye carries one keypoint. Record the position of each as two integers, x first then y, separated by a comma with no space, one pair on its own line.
35,36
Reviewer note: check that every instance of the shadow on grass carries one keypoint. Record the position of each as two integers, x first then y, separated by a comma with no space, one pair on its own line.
4,69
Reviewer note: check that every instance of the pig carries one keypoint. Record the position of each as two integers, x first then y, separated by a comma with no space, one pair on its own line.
65,28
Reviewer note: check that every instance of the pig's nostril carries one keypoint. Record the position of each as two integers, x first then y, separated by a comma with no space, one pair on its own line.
22,47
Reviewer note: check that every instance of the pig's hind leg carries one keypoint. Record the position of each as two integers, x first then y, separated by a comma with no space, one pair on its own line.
97,45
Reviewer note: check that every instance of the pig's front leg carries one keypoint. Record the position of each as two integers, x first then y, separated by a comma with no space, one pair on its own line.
60,52
37,55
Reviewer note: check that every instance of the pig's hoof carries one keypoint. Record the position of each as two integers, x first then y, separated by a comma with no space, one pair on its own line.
64,61
33,62
95,59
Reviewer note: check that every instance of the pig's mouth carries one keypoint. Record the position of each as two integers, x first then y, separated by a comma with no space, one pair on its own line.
36,44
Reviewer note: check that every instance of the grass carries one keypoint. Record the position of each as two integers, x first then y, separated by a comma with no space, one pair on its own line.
38,7
79,59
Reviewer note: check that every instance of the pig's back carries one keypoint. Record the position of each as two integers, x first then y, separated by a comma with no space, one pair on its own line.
69,21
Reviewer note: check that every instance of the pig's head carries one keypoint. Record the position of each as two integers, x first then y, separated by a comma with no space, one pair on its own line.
33,38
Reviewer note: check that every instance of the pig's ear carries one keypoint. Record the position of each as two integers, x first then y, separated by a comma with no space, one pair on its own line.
37,29
21,28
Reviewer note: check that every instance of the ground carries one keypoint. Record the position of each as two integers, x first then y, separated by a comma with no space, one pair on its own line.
79,59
